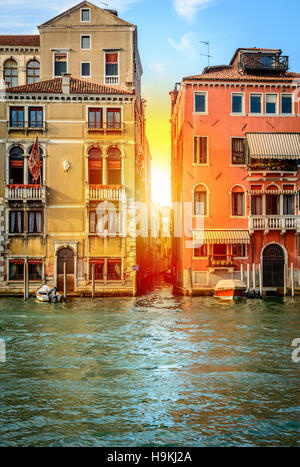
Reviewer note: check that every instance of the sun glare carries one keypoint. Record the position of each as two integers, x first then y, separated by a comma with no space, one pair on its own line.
161,187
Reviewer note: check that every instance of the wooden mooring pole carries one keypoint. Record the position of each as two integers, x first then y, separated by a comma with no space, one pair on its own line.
242,272
260,280
248,279
93,281
65,282
293,280
285,281
26,282
254,277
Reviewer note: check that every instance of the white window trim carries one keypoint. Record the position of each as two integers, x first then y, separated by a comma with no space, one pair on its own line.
206,103
261,103
81,20
293,104
277,104
53,60
85,76
196,164
243,104
104,67
85,35
245,202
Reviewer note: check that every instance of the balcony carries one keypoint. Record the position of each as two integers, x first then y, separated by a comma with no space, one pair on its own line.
267,223
273,166
220,262
25,127
105,193
264,62
25,193
112,128
114,80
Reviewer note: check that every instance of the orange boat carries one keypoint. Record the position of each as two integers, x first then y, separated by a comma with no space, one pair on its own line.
228,290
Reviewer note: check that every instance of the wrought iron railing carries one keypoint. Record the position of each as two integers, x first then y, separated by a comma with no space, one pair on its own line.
220,261
264,62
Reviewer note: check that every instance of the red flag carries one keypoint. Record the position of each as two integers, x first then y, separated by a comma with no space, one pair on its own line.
34,162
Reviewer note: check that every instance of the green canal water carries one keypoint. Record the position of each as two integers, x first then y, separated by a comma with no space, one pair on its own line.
157,370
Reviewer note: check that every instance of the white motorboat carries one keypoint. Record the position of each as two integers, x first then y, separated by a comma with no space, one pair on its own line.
48,294
228,290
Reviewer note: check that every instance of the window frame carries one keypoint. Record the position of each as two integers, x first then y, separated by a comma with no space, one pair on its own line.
202,246
90,41
16,222
35,109
60,52
203,164
197,112
207,200
277,103
81,15
232,193
90,69
240,257
291,96
242,94
13,108
117,77
231,152
11,76
34,69
253,94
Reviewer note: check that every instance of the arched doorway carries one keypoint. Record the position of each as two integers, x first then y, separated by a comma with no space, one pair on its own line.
273,266
65,255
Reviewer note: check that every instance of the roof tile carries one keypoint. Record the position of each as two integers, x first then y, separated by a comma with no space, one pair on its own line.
77,86
27,41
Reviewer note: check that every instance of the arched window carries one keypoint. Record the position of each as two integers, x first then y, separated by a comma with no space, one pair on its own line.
10,73
238,201
200,201
16,166
33,72
30,181
95,166
114,166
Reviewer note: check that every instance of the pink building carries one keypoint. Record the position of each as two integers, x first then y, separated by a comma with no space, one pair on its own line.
235,160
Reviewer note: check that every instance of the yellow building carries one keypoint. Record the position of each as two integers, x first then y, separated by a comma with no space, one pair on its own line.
82,100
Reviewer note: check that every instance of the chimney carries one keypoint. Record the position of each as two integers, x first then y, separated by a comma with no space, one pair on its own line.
66,81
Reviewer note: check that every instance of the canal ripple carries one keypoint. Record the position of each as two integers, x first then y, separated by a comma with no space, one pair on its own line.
157,370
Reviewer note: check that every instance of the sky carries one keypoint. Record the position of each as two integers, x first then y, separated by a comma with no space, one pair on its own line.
170,34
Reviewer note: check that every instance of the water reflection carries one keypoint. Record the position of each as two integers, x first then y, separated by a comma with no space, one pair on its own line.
157,370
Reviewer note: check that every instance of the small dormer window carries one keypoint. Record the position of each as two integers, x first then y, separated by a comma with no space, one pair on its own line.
85,15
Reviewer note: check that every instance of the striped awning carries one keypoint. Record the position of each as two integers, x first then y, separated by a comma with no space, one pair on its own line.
221,236
274,145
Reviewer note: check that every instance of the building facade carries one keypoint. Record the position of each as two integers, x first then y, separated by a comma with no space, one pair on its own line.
235,169
81,101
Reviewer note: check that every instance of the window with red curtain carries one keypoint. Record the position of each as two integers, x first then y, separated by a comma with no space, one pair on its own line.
16,166
114,269
95,166
111,64
114,166
99,269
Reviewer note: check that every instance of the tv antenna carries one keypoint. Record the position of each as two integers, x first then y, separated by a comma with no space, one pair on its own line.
105,4
206,55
